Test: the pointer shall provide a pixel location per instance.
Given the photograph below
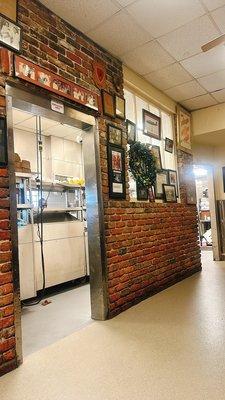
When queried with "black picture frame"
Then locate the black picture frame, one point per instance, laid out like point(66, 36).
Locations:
point(172, 189)
point(108, 109)
point(112, 130)
point(142, 192)
point(156, 151)
point(120, 107)
point(169, 145)
point(191, 198)
point(131, 131)
point(171, 173)
point(159, 192)
point(151, 119)
point(223, 172)
point(14, 25)
point(116, 172)
point(3, 143)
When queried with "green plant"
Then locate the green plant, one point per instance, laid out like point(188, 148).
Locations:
point(142, 164)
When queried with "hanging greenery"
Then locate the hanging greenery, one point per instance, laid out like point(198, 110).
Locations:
point(142, 164)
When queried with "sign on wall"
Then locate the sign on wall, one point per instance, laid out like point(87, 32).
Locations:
point(54, 83)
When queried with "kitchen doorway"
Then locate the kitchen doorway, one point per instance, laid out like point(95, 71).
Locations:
point(56, 213)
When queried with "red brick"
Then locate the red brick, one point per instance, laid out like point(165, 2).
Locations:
point(73, 57)
point(7, 344)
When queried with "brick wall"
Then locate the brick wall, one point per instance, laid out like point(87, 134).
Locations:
point(148, 246)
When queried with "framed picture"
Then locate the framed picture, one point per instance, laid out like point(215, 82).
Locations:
point(114, 135)
point(161, 179)
point(169, 145)
point(170, 193)
point(151, 124)
point(183, 129)
point(3, 142)
point(116, 171)
point(191, 195)
point(108, 104)
point(155, 150)
point(142, 192)
point(120, 107)
point(223, 172)
point(131, 131)
point(10, 34)
point(173, 179)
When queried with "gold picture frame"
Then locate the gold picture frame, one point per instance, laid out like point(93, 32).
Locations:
point(184, 130)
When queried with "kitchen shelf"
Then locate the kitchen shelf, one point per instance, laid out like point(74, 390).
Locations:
point(23, 175)
point(24, 206)
point(60, 210)
point(55, 187)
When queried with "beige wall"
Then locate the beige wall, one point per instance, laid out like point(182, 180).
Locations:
point(142, 87)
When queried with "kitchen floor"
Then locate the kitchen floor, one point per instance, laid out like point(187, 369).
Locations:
point(68, 312)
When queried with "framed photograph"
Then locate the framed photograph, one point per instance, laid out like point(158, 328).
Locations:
point(3, 142)
point(173, 179)
point(131, 131)
point(191, 195)
point(108, 104)
point(169, 145)
point(151, 124)
point(170, 193)
point(161, 179)
point(120, 107)
point(142, 192)
point(116, 171)
point(155, 150)
point(10, 34)
point(114, 135)
point(183, 129)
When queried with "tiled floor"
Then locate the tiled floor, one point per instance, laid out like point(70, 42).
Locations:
point(169, 347)
point(68, 312)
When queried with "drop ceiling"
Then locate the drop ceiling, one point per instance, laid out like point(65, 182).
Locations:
point(27, 122)
point(160, 40)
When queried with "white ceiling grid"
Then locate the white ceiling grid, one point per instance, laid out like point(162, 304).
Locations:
point(160, 40)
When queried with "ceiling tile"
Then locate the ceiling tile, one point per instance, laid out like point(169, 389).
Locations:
point(214, 81)
point(169, 76)
point(159, 16)
point(125, 3)
point(185, 91)
point(219, 17)
point(83, 14)
point(147, 58)
point(213, 4)
point(219, 95)
point(199, 102)
point(125, 34)
point(187, 40)
point(206, 63)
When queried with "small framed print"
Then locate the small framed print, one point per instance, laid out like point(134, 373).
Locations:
point(142, 192)
point(183, 129)
point(3, 142)
point(114, 135)
point(173, 179)
point(10, 34)
point(169, 145)
point(151, 124)
point(191, 195)
point(170, 193)
point(161, 179)
point(116, 171)
point(120, 107)
point(155, 150)
point(108, 104)
point(131, 131)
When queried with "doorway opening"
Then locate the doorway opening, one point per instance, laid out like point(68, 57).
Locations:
point(58, 221)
